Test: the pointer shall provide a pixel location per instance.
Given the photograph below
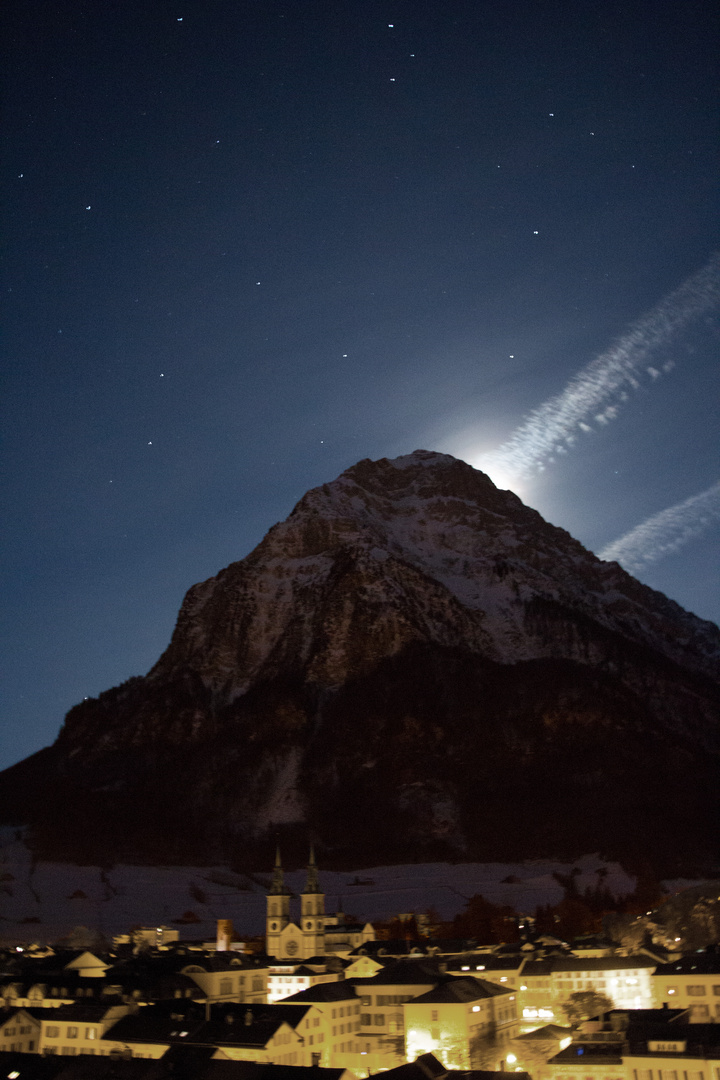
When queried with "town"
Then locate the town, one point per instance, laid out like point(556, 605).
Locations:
point(348, 999)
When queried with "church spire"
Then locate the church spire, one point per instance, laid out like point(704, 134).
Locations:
point(278, 887)
point(312, 884)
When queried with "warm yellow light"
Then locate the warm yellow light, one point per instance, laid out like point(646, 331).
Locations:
point(476, 1008)
point(523, 987)
point(511, 1059)
point(671, 991)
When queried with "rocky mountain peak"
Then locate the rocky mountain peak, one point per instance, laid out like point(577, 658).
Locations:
point(409, 637)
point(419, 548)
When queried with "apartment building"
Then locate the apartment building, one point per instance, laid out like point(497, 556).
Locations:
point(692, 983)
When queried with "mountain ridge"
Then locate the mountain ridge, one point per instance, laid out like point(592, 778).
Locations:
point(406, 636)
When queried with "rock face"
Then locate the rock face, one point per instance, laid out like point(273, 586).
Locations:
point(413, 665)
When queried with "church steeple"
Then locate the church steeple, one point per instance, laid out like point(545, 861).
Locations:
point(312, 885)
point(278, 886)
point(278, 908)
point(312, 907)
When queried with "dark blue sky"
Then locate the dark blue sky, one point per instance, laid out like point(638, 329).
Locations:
point(251, 243)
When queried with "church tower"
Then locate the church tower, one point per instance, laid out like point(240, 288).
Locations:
point(278, 909)
point(312, 912)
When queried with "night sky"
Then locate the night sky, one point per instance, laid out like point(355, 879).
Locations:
point(250, 242)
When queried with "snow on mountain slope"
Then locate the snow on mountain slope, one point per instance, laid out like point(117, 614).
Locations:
point(43, 901)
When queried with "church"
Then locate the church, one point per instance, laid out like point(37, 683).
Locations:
point(317, 934)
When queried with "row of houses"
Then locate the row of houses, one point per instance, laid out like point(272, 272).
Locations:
point(405, 1009)
point(541, 985)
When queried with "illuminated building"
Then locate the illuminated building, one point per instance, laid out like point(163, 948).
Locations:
point(692, 983)
point(317, 934)
point(459, 1019)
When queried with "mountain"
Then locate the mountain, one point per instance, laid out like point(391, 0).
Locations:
point(414, 665)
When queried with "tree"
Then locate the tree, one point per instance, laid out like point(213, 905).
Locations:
point(573, 918)
point(534, 1054)
point(489, 924)
point(631, 932)
point(583, 1004)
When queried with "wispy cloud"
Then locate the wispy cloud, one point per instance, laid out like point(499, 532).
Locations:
point(665, 532)
point(594, 396)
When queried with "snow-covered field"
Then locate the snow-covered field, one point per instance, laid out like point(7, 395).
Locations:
point(42, 901)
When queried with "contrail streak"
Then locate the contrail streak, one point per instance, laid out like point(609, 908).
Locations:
point(665, 532)
point(595, 394)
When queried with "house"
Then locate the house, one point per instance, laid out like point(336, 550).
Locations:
point(363, 967)
point(19, 1031)
point(463, 1021)
point(381, 1035)
point(221, 979)
point(78, 1028)
point(690, 1050)
point(285, 979)
point(149, 1031)
point(692, 982)
point(272, 1034)
point(339, 1006)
